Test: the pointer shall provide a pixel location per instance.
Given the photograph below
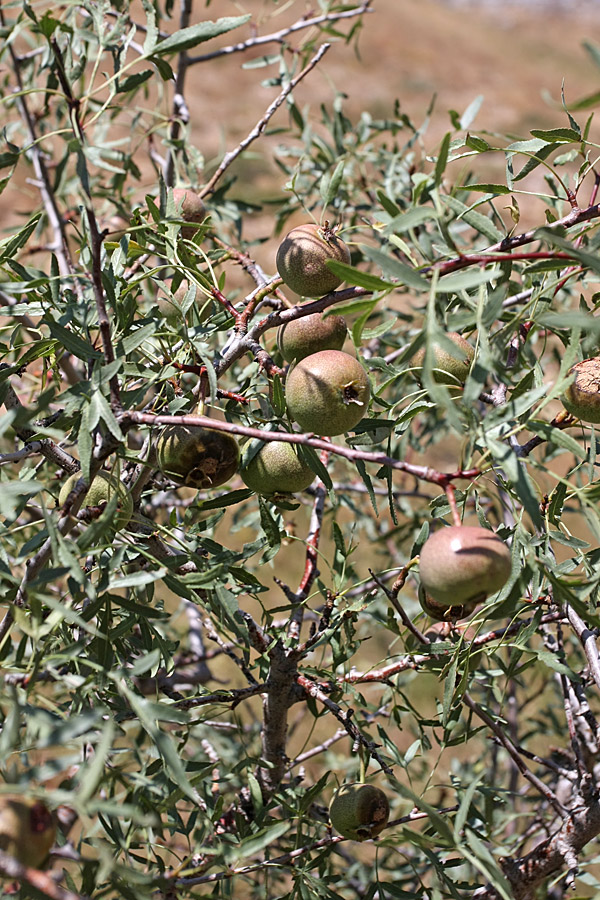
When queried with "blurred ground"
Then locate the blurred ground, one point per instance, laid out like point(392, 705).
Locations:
point(409, 50)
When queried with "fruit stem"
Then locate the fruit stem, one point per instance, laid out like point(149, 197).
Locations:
point(451, 496)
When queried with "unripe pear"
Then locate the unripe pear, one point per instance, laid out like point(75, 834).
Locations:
point(311, 334)
point(461, 565)
point(197, 457)
point(359, 811)
point(449, 368)
point(103, 487)
point(190, 208)
point(27, 829)
point(302, 257)
point(277, 469)
point(582, 397)
point(327, 393)
point(170, 307)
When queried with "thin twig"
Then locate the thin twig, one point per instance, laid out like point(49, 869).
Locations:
point(263, 122)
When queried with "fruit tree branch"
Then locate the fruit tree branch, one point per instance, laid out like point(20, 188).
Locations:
point(262, 123)
point(129, 418)
point(40, 881)
point(278, 37)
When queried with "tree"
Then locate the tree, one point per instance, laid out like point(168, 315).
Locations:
point(189, 673)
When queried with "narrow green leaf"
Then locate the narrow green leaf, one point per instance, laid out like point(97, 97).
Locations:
point(188, 38)
point(356, 277)
point(73, 343)
point(557, 134)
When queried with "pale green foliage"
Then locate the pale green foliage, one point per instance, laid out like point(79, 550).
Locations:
point(108, 700)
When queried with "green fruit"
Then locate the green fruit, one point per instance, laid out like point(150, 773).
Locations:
point(308, 335)
point(461, 565)
point(359, 811)
point(190, 208)
point(582, 397)
point(327, 393)
point(277, 469)
point(27, 829)
point(197, 457)
point(449, 368)
point(103, 487)
point(170, 307)
point(302, 257)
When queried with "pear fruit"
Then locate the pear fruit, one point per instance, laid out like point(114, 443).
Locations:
point(302, 259)
point(311, 334)
point(277, 468)
point(359, 811)
point(190, 208)
point(104, 486)
point(27, 829)
point(461, 565)
point(327, 392)
point(582, 397)
point(197, 457)
point(170, 307)
point(449, 368)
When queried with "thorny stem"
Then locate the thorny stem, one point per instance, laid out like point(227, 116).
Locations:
point(180, 114)
point(260, 126)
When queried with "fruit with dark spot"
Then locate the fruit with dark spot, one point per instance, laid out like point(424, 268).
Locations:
point(449, 368)
point(582, 397)
point(359, 811)
point(27, 829)
point(302, 259)
point(197, 457)
point(327, 393)
point(190, 208)
point(311, 334)
point(103, 487)
point(460, 566)
point(277, 468)
point(441, 612)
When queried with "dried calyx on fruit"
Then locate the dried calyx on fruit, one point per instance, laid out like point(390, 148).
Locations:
point(104, 486)
point(27, 829)
point(359, 811)
point(327, 393)
point(582, 397)
point(277, 468)
point(311, 334)
point(302, 259)
point(449, 367)
point(459, 567)
point(197, 457)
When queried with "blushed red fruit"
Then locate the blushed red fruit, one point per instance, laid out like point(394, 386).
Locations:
point(27, 829)
point(311, 334)
point(197, 457)
point(359, 811)
point(103, 487)
point(327, 393)
point(302, 257)
point(190, 208)
point(582, 397)
point(449, 368)
point(277, 468)
point(461, 565)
